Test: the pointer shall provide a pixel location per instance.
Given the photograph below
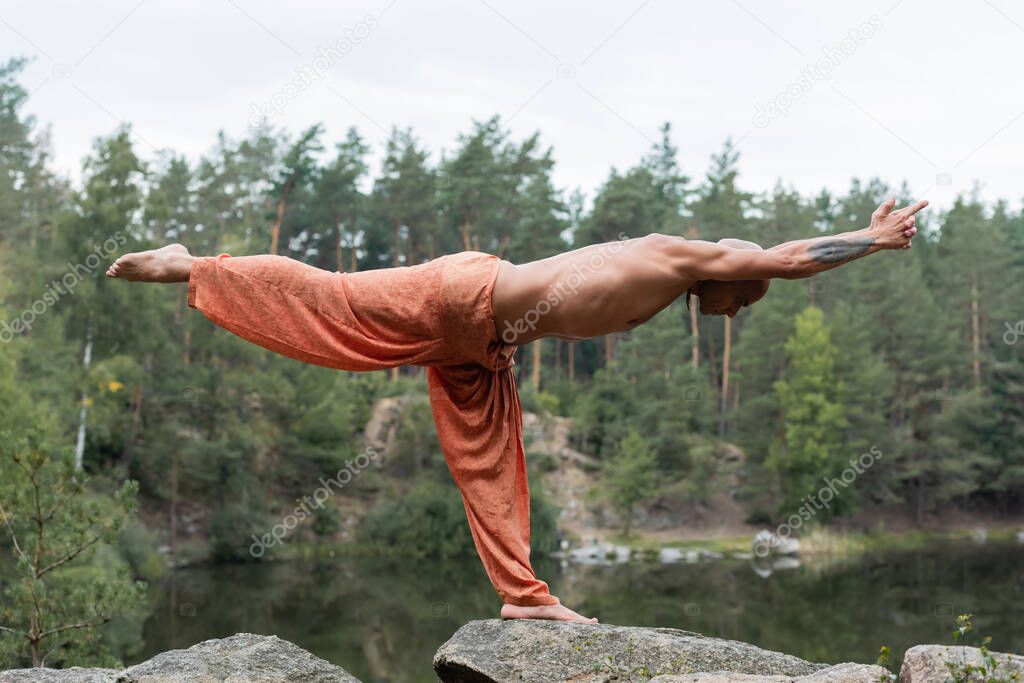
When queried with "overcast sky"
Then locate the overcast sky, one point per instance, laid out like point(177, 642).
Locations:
point(815, 93)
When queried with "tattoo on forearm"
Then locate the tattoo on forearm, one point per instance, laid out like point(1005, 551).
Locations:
point(837, 250)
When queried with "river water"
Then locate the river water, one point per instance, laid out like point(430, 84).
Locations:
point(383, 620)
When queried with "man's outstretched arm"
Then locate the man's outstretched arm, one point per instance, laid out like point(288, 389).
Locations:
point(802, 258)
point(888, 230)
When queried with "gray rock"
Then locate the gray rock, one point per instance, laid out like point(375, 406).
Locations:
point(380, 432)
point(840, 673)
point(622, 553)
point(537, 651)
point(241, 658)
point(927, 663)
point(72, 675)
point(602, 554)
point(780, 564)
point(769, 543)
point(669, 555)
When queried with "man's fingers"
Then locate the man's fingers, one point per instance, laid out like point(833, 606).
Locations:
point(884, 208)
point(914, 208)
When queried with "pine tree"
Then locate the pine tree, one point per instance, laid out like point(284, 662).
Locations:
point(814, 418)
point(403, 202)
point(54, 524)
point(339, 205)
point(298, 169)
point(630, 477)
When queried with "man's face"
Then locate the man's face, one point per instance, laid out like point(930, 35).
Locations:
point(727, 298)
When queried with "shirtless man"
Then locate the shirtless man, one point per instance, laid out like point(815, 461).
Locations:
point(463, 315)
point(650, 273)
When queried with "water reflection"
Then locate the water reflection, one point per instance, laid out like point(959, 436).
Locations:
point(383, 621)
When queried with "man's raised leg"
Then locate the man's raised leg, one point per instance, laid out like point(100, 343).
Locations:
point(297, 310)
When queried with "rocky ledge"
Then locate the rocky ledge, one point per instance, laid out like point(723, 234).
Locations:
point(542, 652)
point(532, 652)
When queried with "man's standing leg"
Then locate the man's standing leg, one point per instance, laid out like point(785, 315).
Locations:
point(479, 425)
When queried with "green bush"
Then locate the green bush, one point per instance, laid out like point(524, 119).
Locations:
point(543, 521)
point(566, 393)
point(138, 546)
point(430, 521)
point(539, 402)
point(549, 403)
point(759, 516)
point(542, 462)
point(326, 521)
point(528, 398)
point(231, 532)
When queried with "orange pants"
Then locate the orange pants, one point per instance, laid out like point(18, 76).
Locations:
point(437, 315)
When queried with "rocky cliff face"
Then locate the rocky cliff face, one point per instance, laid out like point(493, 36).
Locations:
point(568, 475)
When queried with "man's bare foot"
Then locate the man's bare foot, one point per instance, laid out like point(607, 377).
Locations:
point(558, 612)
point(172, 263)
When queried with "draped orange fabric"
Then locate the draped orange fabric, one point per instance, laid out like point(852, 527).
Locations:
point(436, 315)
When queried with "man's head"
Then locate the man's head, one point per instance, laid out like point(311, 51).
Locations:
point(719, 297)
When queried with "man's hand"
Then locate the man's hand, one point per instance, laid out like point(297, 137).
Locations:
point(894, 229)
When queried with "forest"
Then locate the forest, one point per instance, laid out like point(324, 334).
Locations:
point(911, 354)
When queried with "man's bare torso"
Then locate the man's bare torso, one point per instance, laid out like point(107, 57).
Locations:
point(588, 292)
